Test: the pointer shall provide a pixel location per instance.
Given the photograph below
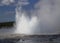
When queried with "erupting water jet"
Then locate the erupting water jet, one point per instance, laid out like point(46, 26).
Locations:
point(42, 21)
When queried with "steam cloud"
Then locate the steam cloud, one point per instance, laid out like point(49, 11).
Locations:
point(44, 19)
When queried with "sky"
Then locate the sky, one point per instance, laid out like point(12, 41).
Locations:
point(7, 9)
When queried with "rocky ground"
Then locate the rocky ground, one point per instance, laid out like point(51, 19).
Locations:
point(30, 39)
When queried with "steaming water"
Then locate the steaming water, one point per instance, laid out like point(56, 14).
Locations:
point(45, 20)
point(26, 26)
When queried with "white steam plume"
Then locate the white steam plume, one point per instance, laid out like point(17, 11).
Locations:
point(44, 19)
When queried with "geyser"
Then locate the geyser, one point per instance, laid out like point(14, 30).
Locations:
point(43, 20)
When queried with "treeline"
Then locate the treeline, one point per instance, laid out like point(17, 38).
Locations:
point(7, 24)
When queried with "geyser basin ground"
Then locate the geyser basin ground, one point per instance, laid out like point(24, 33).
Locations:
point(19, 38)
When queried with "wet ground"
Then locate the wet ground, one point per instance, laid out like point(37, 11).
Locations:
point(32, 39)
point(40, 40)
